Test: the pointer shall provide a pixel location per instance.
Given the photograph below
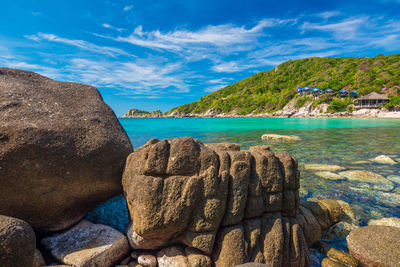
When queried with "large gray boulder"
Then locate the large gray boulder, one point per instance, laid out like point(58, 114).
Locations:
point(62, 150)
point(17, 242)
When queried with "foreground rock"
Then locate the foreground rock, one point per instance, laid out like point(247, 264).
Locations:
point(17, 242)
point(278, 137)
point(62, 150)
point(88, 244)
point(375, 245)
point(237, 206)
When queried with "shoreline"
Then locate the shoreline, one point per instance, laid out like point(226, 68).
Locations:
point(375, 115)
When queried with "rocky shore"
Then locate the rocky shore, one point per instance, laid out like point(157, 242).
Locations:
point(190, 204)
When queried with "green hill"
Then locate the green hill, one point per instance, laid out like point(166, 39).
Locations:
point(271, 90)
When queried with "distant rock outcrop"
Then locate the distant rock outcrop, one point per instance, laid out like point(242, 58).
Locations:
point(137, 113)
point(62, 150)
point(234, 206)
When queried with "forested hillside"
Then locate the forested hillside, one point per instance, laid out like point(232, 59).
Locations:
point(269, 91)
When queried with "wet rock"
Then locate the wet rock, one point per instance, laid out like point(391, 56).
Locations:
point(17, 242)
point(383, 159)
point(311, 227)
point(342, 257)
point(339, 230)
point(364, 176)
point(320, 212)
point(375, 245)
point(172, 256)
point(326, 262)
point(334, 208)
point(278, 137)
point(392, 221)
point(63, 150)
point(323, 167)
point(196, 258)
point(329, 175)
point(88, 244)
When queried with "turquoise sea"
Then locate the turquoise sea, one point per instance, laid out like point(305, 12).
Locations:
point(339, 141)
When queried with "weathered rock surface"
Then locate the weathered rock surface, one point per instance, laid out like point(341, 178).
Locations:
point(278, 137)
point(17, 242)
point(172, 256)
point(38, 260)
point(62, 150)
point(365, 176)
point(375, 245)
point(342, 257)
point(237, 206)
point(329, 175)
point(88, 244)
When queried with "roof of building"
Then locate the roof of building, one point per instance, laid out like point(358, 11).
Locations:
point(373, 95)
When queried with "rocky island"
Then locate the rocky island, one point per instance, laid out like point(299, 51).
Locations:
point(63, 151)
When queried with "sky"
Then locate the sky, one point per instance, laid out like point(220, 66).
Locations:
point(160, 54)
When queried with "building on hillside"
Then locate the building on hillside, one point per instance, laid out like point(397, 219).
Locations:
point(343, 93)
point(372, 100)
point(316, 92)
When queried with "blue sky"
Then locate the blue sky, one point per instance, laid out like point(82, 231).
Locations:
point(160, 54)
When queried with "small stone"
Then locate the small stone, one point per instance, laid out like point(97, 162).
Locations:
point(323, 167)
point(375, 245)
point(383, 159)
point(391, 221)
point(88, 244)
point(329, 175)
point(278, 137)
point(147, 260)
point(342, 257)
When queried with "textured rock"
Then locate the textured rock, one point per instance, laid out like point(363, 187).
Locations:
point(218, 200)
point(88, 244)
point(320, 212)
point(223, 146)
point(230, 247)
point(323, 167)
point(62, 150)
point(391, 221)
point(342, 257)
point(329, 175)
point(375, 245)
point(17, 242)
point(334, 209)
point(196, 258)
point(172, 256)
point(327, 262)
point(278, 137)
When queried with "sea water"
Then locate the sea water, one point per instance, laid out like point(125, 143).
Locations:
point(339, 141)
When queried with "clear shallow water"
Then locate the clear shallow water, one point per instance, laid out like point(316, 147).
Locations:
point(340, 141)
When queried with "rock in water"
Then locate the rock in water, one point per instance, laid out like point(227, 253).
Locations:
point(17, 242)
point(233, 205)
point(383, 159)
point(375, 245)
point(62, 150)
point(391, 221)
point(88, 244)
point(278, 137)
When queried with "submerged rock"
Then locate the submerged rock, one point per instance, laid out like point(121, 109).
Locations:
point(383, 159)
point(375, 245)
point(394, 178)
point(364, 176)
point(323, 167)
point(342, 257)
point(62, 150)
point(329, 175)
point(88, 244)
point(278, 137)
point(17, 242)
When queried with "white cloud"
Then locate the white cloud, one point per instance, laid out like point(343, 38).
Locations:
point(328, 14)
point(345, 30)
point(221, 36)
point(214, 88)
point(108, 26)
point(109, 51)
point(127, 8)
